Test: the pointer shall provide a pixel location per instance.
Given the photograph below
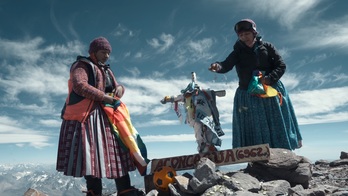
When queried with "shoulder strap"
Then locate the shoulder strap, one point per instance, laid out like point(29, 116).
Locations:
point(91, 67)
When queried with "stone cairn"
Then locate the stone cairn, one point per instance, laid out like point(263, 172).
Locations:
point(284, 174)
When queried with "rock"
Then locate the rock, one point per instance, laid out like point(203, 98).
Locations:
point(153, 192)
point(218, 190)
point(200, 186)
point(322, 162)
point(33, 192)
point(204, 177)
point(225, 180)
point(276, 187)
point(173, 190)
point(204, 169)
point(282, 159)
point(330, 176)
point(182, 183)
point(344, 155)
point(340, 193)
point(284, 174)
point(295, 191)
point(284, 165)
point(316, 192)
point(246, 193)
point(244, 181)
point(339, 162)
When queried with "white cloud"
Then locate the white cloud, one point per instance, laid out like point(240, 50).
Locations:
point(163, 43)
point(313, 59)
point(311, 30)
point(32, 50)
point(323, 34)
point(169, 138)
point(286, 12)
point(50, 122)
point(33, 83)
point(134, 71)
point(311, 106)
point(308, 104)
point(200, 49)
point(201, 46)
point(177, 138)
point(22, 50)
point(291, 80)
point(138, 55)
point(45, 79)
point(340, 78)
point(321, 106)
point(284, 52)
point(33, 139)
point(332, 117)
point(159, 122)
point(11, 131)
point(123, 32)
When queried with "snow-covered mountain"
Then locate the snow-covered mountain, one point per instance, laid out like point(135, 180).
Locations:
point(17, 179)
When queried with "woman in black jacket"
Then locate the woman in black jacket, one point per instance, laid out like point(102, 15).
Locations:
point(258, 119)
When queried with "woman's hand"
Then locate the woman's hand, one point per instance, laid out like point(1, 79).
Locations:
point(119, 91)
point(108, 99)
point(266, 80)
point(214, 67)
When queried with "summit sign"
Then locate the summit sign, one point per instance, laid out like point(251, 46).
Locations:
point(223, 157)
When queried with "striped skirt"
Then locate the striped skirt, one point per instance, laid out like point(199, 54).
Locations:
point(90, 148)
point(263, 120)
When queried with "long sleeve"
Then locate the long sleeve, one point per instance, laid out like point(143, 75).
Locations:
point(278, 64)
point(228, 64)
point(81, 86)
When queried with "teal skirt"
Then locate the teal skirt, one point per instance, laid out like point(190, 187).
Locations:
point(264, 120)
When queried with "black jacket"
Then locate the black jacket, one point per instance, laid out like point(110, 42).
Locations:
point(263, 57)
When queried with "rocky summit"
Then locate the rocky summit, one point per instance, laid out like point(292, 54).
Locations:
point(285, 173)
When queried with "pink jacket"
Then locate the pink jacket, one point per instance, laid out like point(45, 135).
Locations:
point(85, 89)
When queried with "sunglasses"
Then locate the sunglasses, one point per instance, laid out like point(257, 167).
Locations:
point(243, 26)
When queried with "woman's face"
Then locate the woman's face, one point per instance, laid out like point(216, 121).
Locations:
point(247, 37)
point(102, 56)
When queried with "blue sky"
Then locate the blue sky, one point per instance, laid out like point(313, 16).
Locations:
point(156, 45)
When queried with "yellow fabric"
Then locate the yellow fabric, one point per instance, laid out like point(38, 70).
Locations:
point(120, 120)
point(270, 91)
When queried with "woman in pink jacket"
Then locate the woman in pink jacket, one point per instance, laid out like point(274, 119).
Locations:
point(87, 147)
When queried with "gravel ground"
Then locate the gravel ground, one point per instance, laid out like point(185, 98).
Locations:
point(327, 174)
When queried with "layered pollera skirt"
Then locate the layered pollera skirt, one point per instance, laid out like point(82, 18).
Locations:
point(259, 120)
point(90, 148)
